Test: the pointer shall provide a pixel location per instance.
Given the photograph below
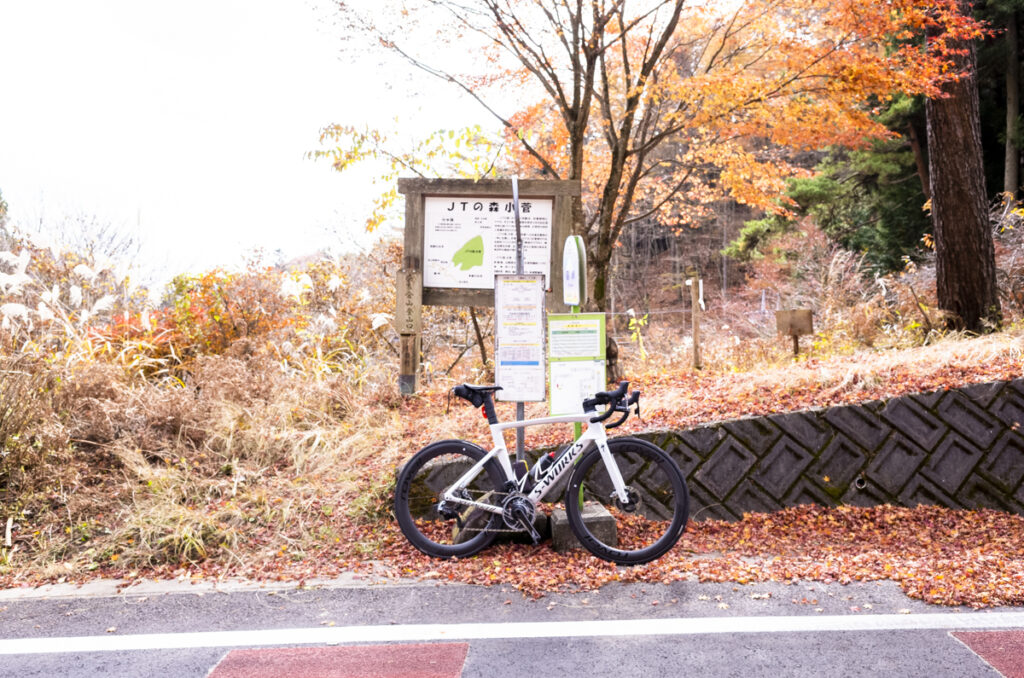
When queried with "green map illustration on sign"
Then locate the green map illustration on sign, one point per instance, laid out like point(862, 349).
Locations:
point(470, 255)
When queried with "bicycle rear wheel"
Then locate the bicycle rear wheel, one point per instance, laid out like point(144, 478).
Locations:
point(649, 523)
point(433, 527)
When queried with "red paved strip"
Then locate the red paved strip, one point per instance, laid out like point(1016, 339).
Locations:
point(426, 660)
point(1003, 650)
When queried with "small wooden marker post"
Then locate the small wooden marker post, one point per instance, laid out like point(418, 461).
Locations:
point(696, 306)
point(795, 323)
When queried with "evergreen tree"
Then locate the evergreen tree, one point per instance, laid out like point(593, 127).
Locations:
point(869, 200)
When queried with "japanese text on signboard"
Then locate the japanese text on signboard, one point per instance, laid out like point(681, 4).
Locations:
point(467, 240)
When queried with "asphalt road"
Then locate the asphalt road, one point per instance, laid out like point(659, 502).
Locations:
point(803, 629)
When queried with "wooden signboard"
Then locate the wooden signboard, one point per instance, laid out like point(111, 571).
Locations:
point(795, 323)
point(459, 233)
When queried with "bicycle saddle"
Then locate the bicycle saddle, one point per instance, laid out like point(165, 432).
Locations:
point(474, 394)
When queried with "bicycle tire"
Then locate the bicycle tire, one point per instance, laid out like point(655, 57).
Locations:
point(646, 527)
point(418, 492)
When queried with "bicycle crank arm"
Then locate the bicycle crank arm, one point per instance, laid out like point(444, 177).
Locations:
point(526, 520)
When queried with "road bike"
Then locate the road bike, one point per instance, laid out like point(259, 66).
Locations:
point(453, 498)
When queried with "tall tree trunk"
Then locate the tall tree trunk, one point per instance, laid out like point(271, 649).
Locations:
point(1011, 168)
point(600, 263)
point(920, 160)
point(964, 253)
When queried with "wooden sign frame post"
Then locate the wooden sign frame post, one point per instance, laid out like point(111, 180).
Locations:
point(416, 289)
point(795, 323)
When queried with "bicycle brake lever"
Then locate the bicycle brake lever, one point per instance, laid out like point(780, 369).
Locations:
point(621, 420)
point(634, 399)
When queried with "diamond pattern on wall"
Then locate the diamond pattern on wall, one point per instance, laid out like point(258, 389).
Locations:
point(915, 422)
point(950, 465)
point(969, 420)
point(979, 493)
point(928, 400)
point(1009, 408)
point(867, 495)
point(703, 506)
point(779, 469)
point(685, 458)
point(755, 433)
point(726, 468)
point(748, 498)
point(860, 424)
point(806, 428)
point(1016, 385)
point(983, 394)
point(807, 492)
point(703, 439)
point(840, 462)
point(897, 461)
point(920, 491)
point(959, 448)
point(1004, 465)
point(666, 440)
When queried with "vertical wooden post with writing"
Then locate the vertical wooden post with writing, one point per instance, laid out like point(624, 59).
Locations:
point(409, 322)
point(409, 298)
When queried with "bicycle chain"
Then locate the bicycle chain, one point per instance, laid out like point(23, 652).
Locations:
point(493, 493)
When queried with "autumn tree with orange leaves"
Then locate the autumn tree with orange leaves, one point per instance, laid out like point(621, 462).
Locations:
point(660, 107)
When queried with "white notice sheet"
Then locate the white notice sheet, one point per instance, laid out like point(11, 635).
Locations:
point(519, 335)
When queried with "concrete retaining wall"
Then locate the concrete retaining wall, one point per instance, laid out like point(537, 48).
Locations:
point(960, 448)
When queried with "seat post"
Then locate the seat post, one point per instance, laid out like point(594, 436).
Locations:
point(489, 409)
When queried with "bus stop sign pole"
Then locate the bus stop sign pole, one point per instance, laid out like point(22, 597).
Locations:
point(520, 407)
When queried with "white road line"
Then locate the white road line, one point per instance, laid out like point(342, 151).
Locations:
point(484, 631)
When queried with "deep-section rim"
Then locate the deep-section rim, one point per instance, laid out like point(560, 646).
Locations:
point(401, 504)
point(613, 554)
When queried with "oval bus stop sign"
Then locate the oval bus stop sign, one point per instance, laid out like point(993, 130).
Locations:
point(574, 271)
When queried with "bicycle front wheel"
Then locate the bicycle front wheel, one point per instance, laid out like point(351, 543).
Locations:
point(645, 526)
point(435, 527)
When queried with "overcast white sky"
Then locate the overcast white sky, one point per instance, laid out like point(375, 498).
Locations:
point(189, 121)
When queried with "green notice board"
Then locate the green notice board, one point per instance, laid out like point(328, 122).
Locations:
point(576, 359)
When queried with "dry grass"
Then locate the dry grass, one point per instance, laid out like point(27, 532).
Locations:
point(165, 474)
point(867, 367)
point(253, 462)
point(278, 455)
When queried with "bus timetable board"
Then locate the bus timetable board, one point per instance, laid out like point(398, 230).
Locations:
point(576, 359)
point(519, 337)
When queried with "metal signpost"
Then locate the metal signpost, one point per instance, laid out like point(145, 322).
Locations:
point(696, 285)
point(520, 406)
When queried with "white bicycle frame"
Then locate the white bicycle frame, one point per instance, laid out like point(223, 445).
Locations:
point(594, 434)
